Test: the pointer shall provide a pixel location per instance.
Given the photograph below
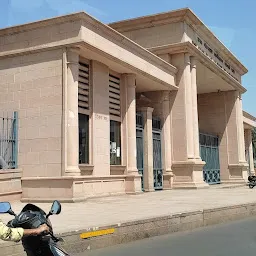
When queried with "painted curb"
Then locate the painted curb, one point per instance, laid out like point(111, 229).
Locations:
point(140, 229)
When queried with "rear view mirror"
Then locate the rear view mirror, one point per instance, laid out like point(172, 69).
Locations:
point(5, 207)
point(56, 208)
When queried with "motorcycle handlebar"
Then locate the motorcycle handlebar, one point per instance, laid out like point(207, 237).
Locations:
point(55, 239)
point(10, 224)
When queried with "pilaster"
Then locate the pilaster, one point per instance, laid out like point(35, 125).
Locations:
point(133, 180)
point(148, 174)
point(166, 140)
point(72, 156)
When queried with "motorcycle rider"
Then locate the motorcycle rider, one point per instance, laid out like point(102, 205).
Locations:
point(16, 234)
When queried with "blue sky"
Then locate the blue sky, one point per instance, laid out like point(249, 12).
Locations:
point(233, 21)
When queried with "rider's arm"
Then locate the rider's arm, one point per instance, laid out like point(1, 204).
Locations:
point(10, 234)
point(16, 234)
point(37, 231)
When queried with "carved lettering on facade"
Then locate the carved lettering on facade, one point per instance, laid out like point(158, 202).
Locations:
point(101, 117)
point(205, 48)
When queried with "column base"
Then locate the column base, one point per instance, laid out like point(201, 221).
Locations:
point(71, 189)
point(238, 173)
point(253, 173)
point(188, 175)
point(73, 171)
point(148, 185)
point(168, 180)
point(133, 184)
point(149, 190)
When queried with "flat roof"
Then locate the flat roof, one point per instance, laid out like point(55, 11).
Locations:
point(249, 116)
point(104, 31)
point(83, 16)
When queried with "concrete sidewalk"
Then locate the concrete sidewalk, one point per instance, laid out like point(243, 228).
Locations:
point(139, 216)
point(119, 209)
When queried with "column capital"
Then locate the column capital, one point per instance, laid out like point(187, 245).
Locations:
point(187, 58)
point(146, 109)
point(193, 61)
point(194, 107)
point(71, 115)
point(166, 95)
point(130, 79)
point(73, 55)
point(74, 49)
point(165, 56)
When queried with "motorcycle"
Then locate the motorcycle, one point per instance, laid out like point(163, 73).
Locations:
point(32, 217)
point(252, 181)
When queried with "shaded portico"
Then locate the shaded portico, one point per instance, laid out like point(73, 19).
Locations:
point(99, 72)
point(212, 105)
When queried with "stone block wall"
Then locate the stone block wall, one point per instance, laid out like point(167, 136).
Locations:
point(10, 185)
point(22, 39)
point(157, 35)
point(32, 85)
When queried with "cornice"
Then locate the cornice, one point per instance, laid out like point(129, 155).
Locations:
point(188, 47)
point(119, 38)
point(39, 24)
point(98, 28)
point(181, 15)
point(149, 20)
point(192, 20)
point(131, 67)
point(249, 116)
point(73, 42)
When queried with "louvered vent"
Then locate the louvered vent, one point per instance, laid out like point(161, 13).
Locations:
point(114, 96)
point(83, 86)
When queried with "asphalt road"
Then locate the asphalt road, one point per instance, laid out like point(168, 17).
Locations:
point(232, 239)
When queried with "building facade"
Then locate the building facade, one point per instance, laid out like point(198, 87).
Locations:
point(139, 105)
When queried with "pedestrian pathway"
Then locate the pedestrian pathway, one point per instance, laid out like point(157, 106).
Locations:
point(119, 209)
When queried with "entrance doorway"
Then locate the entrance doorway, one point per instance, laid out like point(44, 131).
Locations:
point(209, 151)
point(157, 154)
point(139, 144)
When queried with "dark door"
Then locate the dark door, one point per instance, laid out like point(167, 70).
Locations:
point(157, 154)
point(139, 143)
point(209, 151)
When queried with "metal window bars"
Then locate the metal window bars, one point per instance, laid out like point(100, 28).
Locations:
point(8, 140)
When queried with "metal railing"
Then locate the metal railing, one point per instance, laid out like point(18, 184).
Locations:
point(8, 140)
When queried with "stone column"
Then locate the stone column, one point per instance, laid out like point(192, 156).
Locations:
point(100, 119)
point(251, 153)
point(133, 180)
point(237, 165)
point(148, 173)
point(72, 113)
point(187, 170)
point(195, 108)
point(130, 80)
point(189, 108)
point(250, 150)
point(241, 145)
point(166, 138)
